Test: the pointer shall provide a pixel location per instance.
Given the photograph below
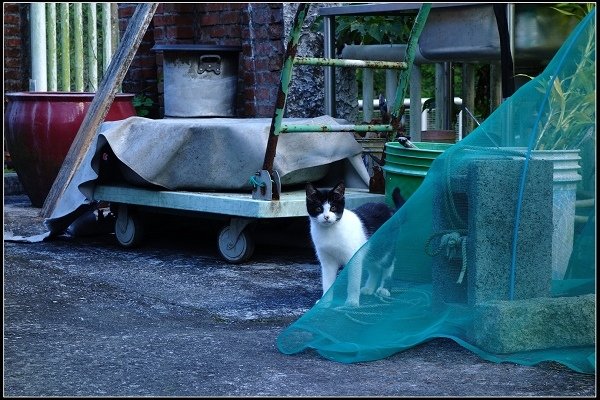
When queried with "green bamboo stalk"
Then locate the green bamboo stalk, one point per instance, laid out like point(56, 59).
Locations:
point(92, 48)
point(114, 26)
point(51, 43)
point(65, 48)
point(292, 128)
point(78, 46)
point(106, 35)
point(115, 34)
point(284, 83)
point(337, 62)
point(286, 71)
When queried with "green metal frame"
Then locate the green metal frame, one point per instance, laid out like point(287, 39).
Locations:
point(286, 74)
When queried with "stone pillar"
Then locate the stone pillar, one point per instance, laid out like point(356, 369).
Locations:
point(306, 94)
point(483, 194)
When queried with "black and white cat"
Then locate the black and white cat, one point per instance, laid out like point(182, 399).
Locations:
point(337, 233)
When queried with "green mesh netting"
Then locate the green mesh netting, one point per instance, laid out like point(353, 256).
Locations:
point(496, 249)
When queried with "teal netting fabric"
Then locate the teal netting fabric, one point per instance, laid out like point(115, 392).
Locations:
point(496, 249)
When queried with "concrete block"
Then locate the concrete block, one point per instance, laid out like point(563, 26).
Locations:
point(12, 184)
point(492, 196)
point(479, 201)
point(501, 326)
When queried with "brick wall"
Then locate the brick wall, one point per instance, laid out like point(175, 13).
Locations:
point(141, 78)
point(16, 45)
point(256, 28)
point(16, 41)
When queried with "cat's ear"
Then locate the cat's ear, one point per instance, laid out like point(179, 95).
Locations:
point(339, 189)
point(310, 190)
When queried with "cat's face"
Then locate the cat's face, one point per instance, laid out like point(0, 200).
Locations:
point(325, 207)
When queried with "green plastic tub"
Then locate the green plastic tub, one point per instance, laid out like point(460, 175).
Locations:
point(406, 168)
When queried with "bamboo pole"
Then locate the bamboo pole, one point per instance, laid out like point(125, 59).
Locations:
point(51, 38)
point(39, 81)
point(100, 104)
point(65, 48)
point(78, 46)
point(92, 48)
point(284, 83)
point(114, 24)
point(106, 35)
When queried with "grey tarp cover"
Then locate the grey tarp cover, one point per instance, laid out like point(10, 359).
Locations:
point(204, 154)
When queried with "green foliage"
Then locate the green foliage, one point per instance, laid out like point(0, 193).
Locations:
point(372, 29)
point(571, 113)
point(369, 29)
point(90, 52)
point(577, 10)
point(142, 104)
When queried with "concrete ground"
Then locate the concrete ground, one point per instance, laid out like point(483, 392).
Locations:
point(86, 317)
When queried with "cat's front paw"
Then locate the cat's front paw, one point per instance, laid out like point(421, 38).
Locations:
point(366, 290)
point(351, 303)
point(383, 292)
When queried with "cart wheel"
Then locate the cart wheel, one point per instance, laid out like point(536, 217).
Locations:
point(235, 252)
point(129, 228)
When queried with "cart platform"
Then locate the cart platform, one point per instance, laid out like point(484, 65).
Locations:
point(236, 245)
point(291, 204)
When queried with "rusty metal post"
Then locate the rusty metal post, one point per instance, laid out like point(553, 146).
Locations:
point(411, 48)
point(286, 76)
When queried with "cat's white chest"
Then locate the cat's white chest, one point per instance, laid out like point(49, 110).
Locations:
point(340, 240)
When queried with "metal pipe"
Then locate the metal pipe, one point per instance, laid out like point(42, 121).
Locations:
point(511, 28)
point(337, 62)
point(411, 50)
point(381, 52)
point(290, 128)
point(415, 104)
point(329, 72)
point(391, 85)
point(367, 92)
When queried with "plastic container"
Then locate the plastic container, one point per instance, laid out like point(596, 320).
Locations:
point(406, 168)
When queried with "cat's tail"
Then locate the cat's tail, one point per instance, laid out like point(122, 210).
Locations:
point(397, 198)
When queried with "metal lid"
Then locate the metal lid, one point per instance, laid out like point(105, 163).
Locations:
point(196, 47)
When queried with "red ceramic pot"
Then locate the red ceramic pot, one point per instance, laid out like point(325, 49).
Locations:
point(39, 130)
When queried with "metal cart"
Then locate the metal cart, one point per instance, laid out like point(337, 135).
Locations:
point(235, 242)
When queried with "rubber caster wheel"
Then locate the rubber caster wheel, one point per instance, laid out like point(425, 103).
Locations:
point(235, 251)
point(129, 228)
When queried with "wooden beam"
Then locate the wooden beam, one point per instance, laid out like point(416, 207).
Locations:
point(101, 103)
